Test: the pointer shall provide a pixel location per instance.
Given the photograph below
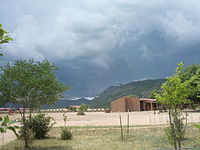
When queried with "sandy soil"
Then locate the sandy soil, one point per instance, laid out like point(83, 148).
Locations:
point(112, 119)
point(107, 119)
point(6, 137)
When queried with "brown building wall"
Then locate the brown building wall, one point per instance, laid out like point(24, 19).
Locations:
point(125, 104)
point(118, 105)
point(132, 104)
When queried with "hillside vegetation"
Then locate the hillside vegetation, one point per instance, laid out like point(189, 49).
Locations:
point(59, 104)
point(137, 88)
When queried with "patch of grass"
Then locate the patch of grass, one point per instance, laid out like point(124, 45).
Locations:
point(106, 139)
point(66, 134)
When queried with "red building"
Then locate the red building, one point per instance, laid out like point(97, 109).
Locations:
point(126, 104)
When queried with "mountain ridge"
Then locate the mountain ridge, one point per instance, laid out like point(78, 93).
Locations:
point(142, 88)
point(59, 104)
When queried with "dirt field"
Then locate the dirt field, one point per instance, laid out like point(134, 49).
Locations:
point(112, 119)
point(108, 119)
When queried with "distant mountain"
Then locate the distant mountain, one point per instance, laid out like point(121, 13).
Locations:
point(60, 104)
point(137, 88)
point(64, 103)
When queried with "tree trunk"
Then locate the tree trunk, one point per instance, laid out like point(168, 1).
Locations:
point(25, 129)
point(172, 129)
point(30, 114)
point(178, 127)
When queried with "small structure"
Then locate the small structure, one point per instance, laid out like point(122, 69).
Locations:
point(126, 104)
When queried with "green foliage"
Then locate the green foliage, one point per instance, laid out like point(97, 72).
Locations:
point(169, 133)
point(132, 96)
point(6, 124)
point(187, 73)
point(181, 87)
point(137, 88)
point(66, 134)
point(174, 92)
point(39, 125)
point(174, 95)
point(154, 93)
point(4, 37)
point(191, 74)
point(196, 126)
point(31, 84)
point(84, 107)
point(80, 112)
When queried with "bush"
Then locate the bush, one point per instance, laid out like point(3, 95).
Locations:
point(40, 125)
point(84, 107)
point(81, 113)
point(66, 134)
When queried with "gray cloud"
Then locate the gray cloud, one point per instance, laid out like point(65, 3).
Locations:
point(65, 33)
point(67, 30)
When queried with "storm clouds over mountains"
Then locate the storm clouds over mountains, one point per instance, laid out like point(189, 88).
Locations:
point(98, 43)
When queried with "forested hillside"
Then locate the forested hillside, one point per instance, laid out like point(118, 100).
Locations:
point(137, 88)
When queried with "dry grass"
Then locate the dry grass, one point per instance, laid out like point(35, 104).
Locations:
point(106, 139)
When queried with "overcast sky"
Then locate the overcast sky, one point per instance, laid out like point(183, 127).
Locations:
point(99, 43)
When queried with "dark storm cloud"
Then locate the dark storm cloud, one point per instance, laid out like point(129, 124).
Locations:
point(104, 42)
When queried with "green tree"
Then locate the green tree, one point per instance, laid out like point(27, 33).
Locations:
point(174, 95)
point(154, 93)
point(192, 74)
point(84, 107)
point(30, 84)
point(4, 37)
point(132, 96)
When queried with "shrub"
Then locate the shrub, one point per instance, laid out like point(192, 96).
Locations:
point(81, 113)
point(66, 134)
point(39, 124)
point(84, 107)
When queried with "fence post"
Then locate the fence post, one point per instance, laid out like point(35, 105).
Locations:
point(128, 123)
point(121, 126)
